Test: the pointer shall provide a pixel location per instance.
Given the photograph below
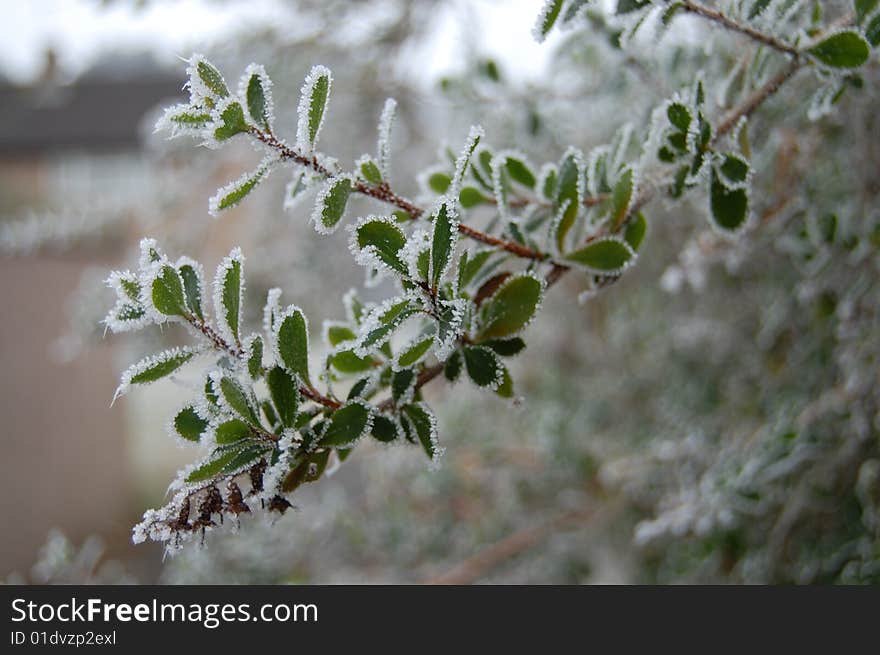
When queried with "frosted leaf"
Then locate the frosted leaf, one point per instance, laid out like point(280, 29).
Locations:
point(450, 327)
point(443, 239)
point(234, 192)
point(314, 94)
point(256, 89)
point(604, 256)
point(205, 81)
point(354, 308)
point(415, 253)
point(150, 253)
point(128, 313)
point(184, 119)
point(274, 475)
point(228, 295)
point(383, 146)
point(330, 204)
point(193, 276)
point(162, 292)
point(546, 19)
point(461, 164)
point(424, 423)
point(271, 310)
point(546, 184)
point(154, 367)
point(381, 322)
point(512, 307)
point(368, 170)
point(376, 242)
point(290, 341)
point(413, 353)
point(348, 425)
point(227, 121)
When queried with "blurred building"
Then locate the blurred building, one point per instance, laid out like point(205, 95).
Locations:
point(61, 445)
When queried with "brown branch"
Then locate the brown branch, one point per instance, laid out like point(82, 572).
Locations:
point(728, 23)
point(235, 351)
point(383, 193)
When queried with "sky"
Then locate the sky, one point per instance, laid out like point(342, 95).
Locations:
point(79, 30)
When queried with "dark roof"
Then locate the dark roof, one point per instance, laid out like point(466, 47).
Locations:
point(94, 113)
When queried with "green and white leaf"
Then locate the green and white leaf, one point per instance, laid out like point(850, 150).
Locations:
point(229, 294)
point(330, 204)
point(153, 368)
point(604, 256)
point(376, 242)
point(291, 341)
point(314, 95)
point(233, 193)
point(349, 424)
point(512, 307)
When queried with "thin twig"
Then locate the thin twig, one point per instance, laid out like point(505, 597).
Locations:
point(728, 23)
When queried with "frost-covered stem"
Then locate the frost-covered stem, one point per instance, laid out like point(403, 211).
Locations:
point(384, 193)
point(219, 342)
point(235, 351)
point(728, 23)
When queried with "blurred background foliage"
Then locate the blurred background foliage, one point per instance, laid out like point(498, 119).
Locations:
point(713, 417)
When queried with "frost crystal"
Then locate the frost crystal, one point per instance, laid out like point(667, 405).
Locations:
point(461, 164)
point(234, 192)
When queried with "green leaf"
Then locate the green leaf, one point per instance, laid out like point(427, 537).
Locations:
point(439, 182)
point(347, 424)
point(402, 384)
point(284, 392)
point(211, 78)
point(237, 399)
point(414, 353)
point(424, 424)
point(213, 466)
point(192, 288)
point(232, 122)
point(346, 361)
point(470, 196)
point(292, 340)
point(336, 334)
point(229, 279)
point(384, 429)
point(609, 255)
point(369, 170)
point(452, 368)
point(389, 320)
point(505, 388)
point(872, 30)
point(330, 204)
point(237, 190)
point(313, 104)
point(257, 102)
point(845, 49)
point(679, 115)
point(470, 264)
point(255, 360)
point(505, 347)
point(231, 431)
point(627, 6)
point(511, 307)
point(483, 366)
point(863, 8)
point(729, 207)
point(547, 19)
point(519, 171)
point(635, 231)
point(734, 168)
point(622, 196)
point(443, 241)
point(184, 116)
point(167, 292)
point(567, 188)
point(189, 424)
point(383, 240)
